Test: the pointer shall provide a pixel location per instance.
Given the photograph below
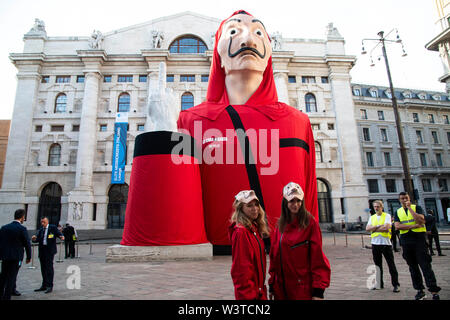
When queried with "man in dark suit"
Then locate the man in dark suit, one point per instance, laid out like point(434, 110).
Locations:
point(13, 239)
point(46, 237)
point(69, 240)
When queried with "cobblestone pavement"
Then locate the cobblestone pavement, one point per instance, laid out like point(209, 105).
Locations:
point(210, 280)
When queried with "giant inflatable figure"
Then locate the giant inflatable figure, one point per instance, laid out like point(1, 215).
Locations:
point(183, 183)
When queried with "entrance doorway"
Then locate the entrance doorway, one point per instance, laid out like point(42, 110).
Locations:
point(117, 205)
point(50, 204)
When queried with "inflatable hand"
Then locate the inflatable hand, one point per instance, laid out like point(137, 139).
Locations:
point(163, 107)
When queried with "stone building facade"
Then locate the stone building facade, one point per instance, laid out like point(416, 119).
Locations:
point(70, 89)
point(425, 119)
point(4, 134)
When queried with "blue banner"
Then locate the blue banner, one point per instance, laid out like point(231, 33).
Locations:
point(119, 148)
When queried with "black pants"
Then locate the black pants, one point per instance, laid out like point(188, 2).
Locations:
point(378, 251)
point(10, 268)
point(47, 271)
point(416, 255)
point(395, 235)
point(434, 236)
point(70, 248)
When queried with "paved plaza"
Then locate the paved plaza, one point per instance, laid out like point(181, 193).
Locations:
point(351, 266)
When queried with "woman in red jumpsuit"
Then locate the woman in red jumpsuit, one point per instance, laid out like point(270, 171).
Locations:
point(248, 226)
point(299, 270)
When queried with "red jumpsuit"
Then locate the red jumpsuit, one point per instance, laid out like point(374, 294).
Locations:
point(267, 123)
point(298, 266)
point(248, 269)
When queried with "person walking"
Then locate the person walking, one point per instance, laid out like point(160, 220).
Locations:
point(46, 237)
point(248, 227)
point(69, 241)
point(394, 235)
point(410, 221)
point(379, 225)
point(432, 233)
point(299, 270)
point(13, 240)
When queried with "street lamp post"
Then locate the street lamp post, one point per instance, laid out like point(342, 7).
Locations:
point(403, 153)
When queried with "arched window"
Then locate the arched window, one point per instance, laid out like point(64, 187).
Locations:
point(54, 155)
point(318, 148)
point(124, 102)
point(188, 44)
point(50, 204)
point(310, 101)
point(117, 205)
point(187, 101)
point(324, 201)
point(60, 103)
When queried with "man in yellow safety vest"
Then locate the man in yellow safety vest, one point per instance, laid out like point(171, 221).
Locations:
point(410, 221)
point(379, 225)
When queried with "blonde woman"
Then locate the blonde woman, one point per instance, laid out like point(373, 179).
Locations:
point(248, 227)
point(379, 225)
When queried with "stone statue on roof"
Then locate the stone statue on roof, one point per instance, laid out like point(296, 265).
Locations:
point(95, 42)
point(157, 39)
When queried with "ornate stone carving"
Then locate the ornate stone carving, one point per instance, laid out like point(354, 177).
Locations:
point(77, 211)
point(95, 42)
point(276, 41)
point(157, 39)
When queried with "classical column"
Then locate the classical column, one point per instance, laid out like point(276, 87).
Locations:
point(12, 194)
point(354, 188)
point(281, 85)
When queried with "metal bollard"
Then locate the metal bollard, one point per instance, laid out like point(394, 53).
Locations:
point(334, 237)
point(32, 258)
point(78, 251)
point(60, 250)
point(90, 247)
point(346, 240)
point(362, 241)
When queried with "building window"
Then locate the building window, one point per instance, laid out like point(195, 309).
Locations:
point(384, 136)
point(387, 159)
point(188, 45)
point(388, 94)
point(443, 187)
point(170, 78)
point(366, 134)
point(430, 118)
point(125, 78)
point(445, 119)
point(315, 126)
point(380, 115)
point(374, 93)
point(75, 127)
point(324, 201)
point(331, 126)
point(369, 158)
point(187, 101)
point(57, 128)
point(54, 155)
point(426, 184)
point(124, 102)
point(292, 79)
point(423, 160)
point(107, 79)
point(310, 102)
point(38, 128)
point(448, 137)
point(62, 79)
point(435, 137)
point(142, 78)
point(103, 128)
point(205, 77)
point(419, 136)
point(45, 79)
point(60, 103)
point(373, 185)
point(363, 113)
point(324, 79)
point(415, 117)
point(308, 79)
point(439, 160)
point(140, 127)
point(390, 185)
point(187, 78)
point(318, 148)
point(80, 79)
point(356, 92)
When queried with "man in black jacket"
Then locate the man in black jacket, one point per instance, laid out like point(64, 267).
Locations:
point(13, 239)
point(46, 237)
point(69, 240)
point(432, 232)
